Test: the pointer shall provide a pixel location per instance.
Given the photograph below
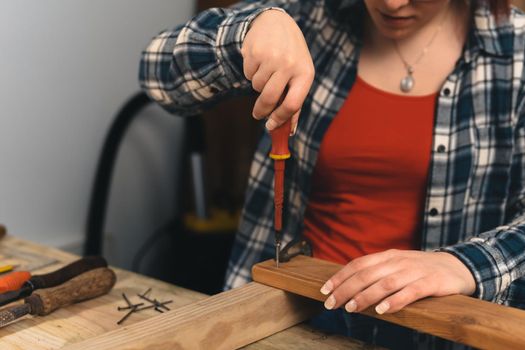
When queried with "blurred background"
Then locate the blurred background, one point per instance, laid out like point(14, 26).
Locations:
point(67, 69)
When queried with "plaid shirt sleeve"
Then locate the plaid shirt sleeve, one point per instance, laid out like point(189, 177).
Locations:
point(193, 66)
point(496, 258)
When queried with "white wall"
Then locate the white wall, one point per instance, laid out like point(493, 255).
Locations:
point(65, 69)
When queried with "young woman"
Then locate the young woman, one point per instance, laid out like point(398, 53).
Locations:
point(408, 150)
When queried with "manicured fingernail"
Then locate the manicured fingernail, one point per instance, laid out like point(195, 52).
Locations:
point(330, 302)
point(271, 124)
point(294, 130)
point(382, 307)
point(351, 306)
point(327, 288)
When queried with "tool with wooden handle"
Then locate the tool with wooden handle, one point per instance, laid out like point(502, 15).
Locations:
point(52, 279)
point(87, 285)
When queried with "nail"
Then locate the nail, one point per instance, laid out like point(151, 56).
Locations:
point(351, 306)
point(330, 302)
point(327, 288)
point(382, 307)
point(270, 124)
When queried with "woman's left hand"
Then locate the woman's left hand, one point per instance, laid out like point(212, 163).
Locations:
point(395, 278)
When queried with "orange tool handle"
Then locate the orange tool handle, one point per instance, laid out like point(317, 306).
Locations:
point(14, 281)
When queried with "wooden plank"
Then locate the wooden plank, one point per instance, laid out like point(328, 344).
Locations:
point(303, 275)
point(458, 318)
point(227, 320)
point(305, 337)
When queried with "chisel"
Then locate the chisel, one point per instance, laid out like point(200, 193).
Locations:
point(87, 285)
point(53, 279)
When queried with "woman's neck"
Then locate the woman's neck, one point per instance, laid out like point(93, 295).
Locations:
point(383, 65)
point(452, 20)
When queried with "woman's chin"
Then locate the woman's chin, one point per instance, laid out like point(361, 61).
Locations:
point(397, 33)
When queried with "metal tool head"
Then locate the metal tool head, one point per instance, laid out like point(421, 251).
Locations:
point(294, 248)
point(278, 241)
point(10, 314)
point(277, 253)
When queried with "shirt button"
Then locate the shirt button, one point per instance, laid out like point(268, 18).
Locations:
point(446, 91)
point(441, 148)
point(433, 212)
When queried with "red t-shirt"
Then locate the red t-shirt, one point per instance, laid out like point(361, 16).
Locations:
point(369, 183)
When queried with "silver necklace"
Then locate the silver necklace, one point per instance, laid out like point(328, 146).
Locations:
point(408, 82)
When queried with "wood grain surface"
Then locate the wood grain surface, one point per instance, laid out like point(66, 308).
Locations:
point(228, 320)
point(96, 317)
point(304, 337)
point(459, 318)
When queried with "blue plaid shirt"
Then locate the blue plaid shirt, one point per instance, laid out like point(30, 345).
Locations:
point(475, 202)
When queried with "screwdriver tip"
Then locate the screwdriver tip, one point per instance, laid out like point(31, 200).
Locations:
point(277, 251)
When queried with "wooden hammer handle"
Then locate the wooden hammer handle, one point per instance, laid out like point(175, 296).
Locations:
point(85, 286)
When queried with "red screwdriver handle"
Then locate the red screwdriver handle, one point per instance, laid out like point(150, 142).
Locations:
point(279, 137)
point(279, 153)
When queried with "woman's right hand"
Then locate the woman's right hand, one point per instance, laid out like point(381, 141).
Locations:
point(277, 60)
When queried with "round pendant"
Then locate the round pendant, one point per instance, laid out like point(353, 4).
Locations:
point(407, 83)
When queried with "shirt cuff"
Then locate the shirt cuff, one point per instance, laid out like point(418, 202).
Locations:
point(230, 36)
point(487, 265)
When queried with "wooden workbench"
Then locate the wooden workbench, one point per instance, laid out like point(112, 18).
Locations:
point(98, 316)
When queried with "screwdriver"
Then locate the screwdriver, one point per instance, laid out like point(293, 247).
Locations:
point(52, 279)
point(85, 286)
point(279, 153)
